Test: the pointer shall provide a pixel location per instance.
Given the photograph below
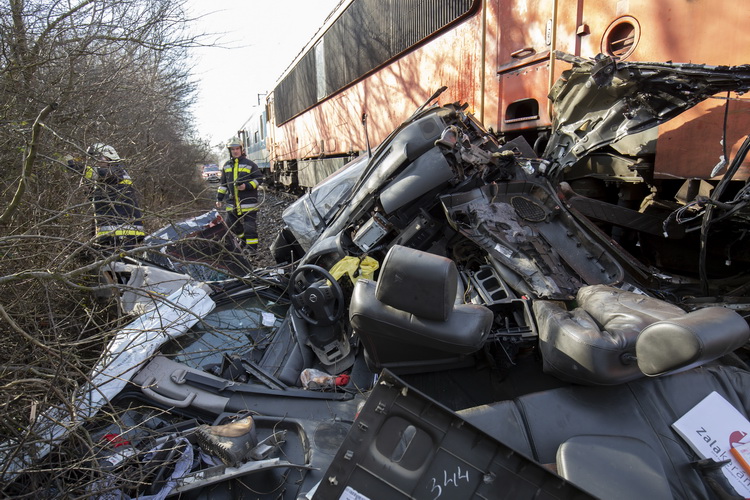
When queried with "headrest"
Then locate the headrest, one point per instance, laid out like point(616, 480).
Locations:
point(421, 283)
point(690, 340)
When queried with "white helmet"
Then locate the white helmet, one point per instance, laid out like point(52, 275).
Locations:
point(234, 142)
point(99, 149)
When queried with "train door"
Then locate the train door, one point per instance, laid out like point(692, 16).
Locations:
point(698, 31)
point(528, 30)
point(524, 39)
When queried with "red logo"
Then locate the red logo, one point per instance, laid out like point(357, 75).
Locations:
point(737, 437)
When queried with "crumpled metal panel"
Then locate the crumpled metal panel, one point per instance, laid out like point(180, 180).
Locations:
point(523, 227)
point(599, 101)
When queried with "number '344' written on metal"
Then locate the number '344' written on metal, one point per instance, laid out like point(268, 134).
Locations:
point(449, 479)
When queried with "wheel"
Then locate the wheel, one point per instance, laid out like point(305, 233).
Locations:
point(316, 295)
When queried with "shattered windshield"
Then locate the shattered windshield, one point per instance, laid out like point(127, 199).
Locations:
point(235, 328)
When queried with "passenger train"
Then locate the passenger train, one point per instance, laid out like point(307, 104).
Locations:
point(375, 61)
point(253, 134)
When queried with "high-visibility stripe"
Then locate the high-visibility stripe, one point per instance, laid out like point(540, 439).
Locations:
point(234, 178)
point(243, 208)
point(239, 169)
point(113, 227)
point(121, 232)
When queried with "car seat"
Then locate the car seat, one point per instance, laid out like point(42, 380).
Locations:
point(617, 442)
point(409, 321)
point(615, 336)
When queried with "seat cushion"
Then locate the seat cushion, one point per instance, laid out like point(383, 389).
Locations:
point(643, 409)
point(613, 467)
point(574, 349)
point(464, 332)
point(617, 310)
point(594, 344)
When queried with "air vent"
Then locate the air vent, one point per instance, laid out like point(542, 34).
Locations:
point(621, 37)
point(522, 110)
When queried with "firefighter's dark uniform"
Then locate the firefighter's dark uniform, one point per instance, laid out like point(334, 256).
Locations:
point(117, 217)
point(241, 205)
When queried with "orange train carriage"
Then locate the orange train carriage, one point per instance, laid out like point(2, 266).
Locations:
point(379, 60)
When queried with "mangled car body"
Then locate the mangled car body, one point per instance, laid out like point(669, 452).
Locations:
point(450, 273)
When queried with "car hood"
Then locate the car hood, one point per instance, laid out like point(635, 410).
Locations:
point(599, 101)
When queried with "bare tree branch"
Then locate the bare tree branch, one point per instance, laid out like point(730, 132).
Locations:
point(28, 164)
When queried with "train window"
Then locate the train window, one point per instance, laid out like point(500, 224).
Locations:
point(367, 35)
point(621, 37)
point(521, 110)
point(320, 69)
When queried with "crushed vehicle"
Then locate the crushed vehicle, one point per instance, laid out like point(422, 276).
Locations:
point(451, 319)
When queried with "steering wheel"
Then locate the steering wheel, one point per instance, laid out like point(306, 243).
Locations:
point(313, 298)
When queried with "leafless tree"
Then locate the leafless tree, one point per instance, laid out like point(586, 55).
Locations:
point(74, 72)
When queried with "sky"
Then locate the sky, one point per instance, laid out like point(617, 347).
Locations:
point(257, 42)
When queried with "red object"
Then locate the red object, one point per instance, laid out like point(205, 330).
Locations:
point(342, 379)
point(116, 440)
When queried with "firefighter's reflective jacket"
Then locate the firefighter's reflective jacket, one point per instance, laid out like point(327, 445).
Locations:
point(239, 171)
point(116, 211)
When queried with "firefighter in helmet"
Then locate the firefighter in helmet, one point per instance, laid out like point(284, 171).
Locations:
point(117, 217)
point(238, 189)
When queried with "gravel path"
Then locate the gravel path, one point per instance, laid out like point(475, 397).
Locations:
point(270, 223)
point(272, 205)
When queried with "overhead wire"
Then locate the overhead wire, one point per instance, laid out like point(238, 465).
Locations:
point(718, 191)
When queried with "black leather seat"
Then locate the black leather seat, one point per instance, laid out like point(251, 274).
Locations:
point(409, 320)
point(615, 336)
point(631, 421)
